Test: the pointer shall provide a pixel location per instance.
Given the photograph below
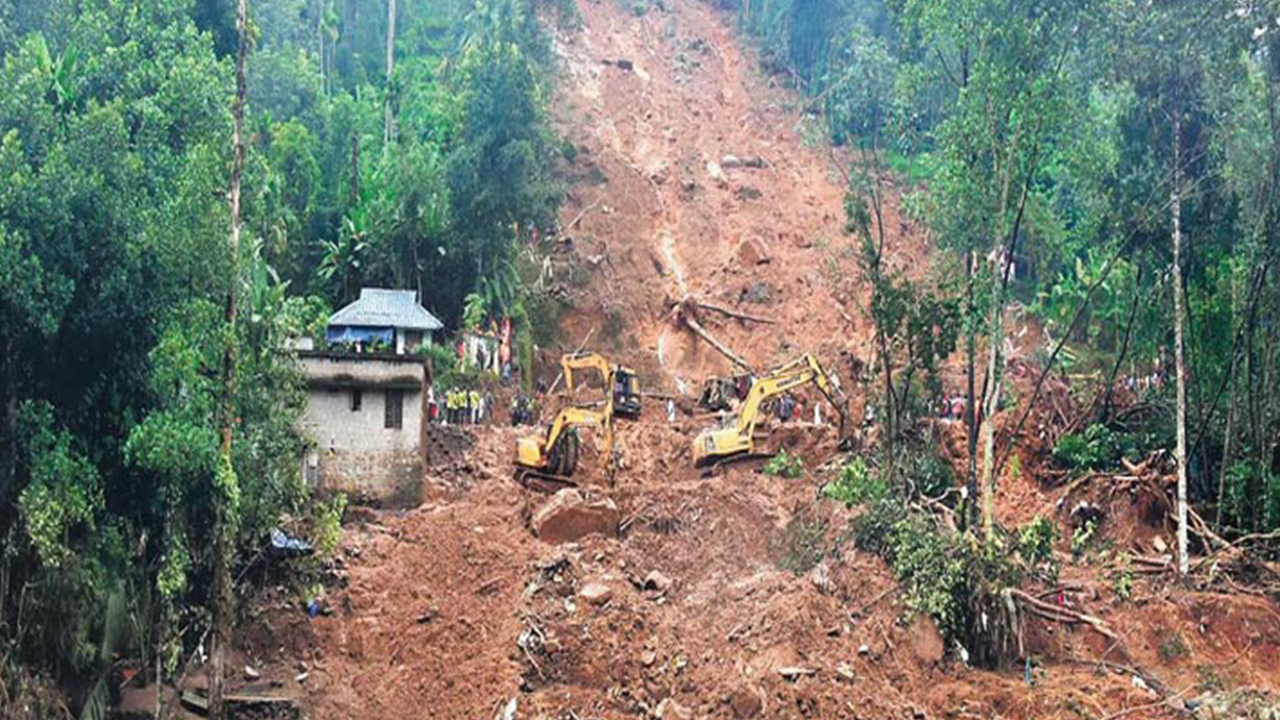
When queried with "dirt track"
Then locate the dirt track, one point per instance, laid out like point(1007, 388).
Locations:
point(453, 609)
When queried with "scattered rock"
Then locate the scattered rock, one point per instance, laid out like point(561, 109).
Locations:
point(655, 584)
point(760, 293)
point(648, 658)
point(568, 516)
point(669, 709)
point(863, 649)
point(1160, 545)
point(745, 703)
point(795, 673)
point(250, 674)
point(596, 593)
point(432, 613)
point(752, 252)
point(714, 171)
point(1084, 513)
point(845, 671)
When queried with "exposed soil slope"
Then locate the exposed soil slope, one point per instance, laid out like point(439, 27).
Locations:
point(452, 610)
point(693, 177)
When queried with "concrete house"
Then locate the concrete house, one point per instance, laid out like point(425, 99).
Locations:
point(366, 399)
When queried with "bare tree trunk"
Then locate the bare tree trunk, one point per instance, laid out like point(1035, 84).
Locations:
point(8, 423)
point(225, 475)
point(990, 403)
point(1179, 360)
point(320, 28)
point(389, 134)
point(1105, 412)
point(971, 414)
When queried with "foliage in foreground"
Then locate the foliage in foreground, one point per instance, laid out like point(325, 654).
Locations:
point(784, 465)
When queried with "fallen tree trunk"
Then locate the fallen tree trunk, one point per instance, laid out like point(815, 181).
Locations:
point(731, 313)
point(1052, 612)
point(689, 317)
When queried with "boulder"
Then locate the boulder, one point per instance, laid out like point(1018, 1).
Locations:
point(926, 641)
point(731, 161)
point(568, 516)
point(752, 252)
point(745, 703)
point(669, 709)
point(656, 582)
point(596, 593)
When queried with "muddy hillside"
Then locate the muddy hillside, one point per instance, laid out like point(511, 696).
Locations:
point(669, 592)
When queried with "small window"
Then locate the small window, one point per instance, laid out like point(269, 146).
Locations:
point(395, 409)
point(357, 400)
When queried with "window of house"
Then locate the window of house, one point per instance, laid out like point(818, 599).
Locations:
point(394, 410)
point(357, 400)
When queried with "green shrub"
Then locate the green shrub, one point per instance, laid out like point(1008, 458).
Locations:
point(872, 529)
point(1082, 450)
point(1123, 580)
point(784, 465)
point(931, 567)
point(328, 524)
point(1035, 548)
point(856, 484)
point(931, 474)
point(1082, 537)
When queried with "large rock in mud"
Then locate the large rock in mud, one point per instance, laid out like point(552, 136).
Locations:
point(752, 252)
point(926, 641)
point(568, 516)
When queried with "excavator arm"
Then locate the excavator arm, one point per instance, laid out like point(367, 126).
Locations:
point(584, 361)
point(621, 388)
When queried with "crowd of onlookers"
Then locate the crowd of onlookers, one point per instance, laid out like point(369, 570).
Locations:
point(461, 406)
point(458, 406)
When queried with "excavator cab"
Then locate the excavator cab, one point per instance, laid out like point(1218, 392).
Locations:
point(736, 438)
point(551, 460)
point(626, 394)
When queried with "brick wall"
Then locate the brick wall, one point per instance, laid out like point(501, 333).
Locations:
point(356, 453)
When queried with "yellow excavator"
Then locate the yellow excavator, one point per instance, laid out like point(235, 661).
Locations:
point(736, 437)
point(549, 462)
point(619, 382)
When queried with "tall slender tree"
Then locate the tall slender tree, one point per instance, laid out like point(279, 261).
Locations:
point(1178, 344)
point(226, 486)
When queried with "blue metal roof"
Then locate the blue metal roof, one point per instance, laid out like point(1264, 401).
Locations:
point(379, 307)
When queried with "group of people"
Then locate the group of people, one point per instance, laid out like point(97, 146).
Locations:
point(461, 407)
point(523, 410)
point(952, 408)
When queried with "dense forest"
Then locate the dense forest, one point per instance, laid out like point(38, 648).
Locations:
point(1109, 167)
point(402, 146)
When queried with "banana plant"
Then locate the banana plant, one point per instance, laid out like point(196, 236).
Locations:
point(62, 72)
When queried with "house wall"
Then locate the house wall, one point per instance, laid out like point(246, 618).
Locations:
point(355, 452)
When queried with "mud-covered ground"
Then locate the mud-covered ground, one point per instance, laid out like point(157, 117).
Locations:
point(735, 595)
